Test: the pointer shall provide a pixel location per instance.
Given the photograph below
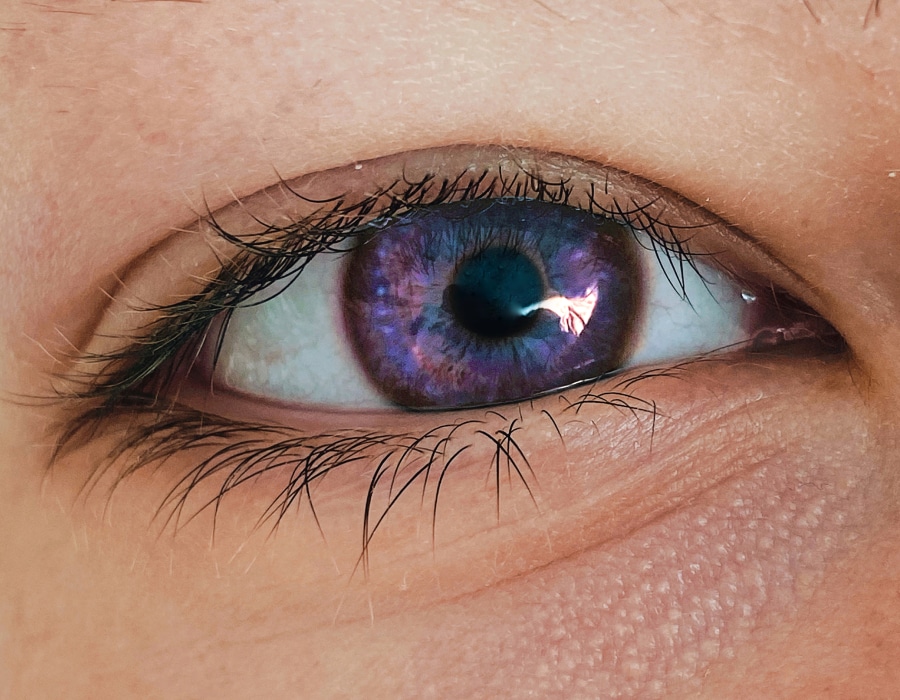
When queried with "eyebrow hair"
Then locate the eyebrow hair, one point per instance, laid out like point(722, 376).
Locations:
point(873, 12)
point(809, 8)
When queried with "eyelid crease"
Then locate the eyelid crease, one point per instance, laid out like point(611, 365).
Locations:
point(176, 246)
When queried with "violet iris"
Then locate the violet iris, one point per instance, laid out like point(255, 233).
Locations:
point(491, 301)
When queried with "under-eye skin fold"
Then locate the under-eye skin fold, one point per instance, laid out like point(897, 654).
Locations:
point(477, 278)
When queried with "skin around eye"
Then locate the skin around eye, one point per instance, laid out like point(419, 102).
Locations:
point(725, 528)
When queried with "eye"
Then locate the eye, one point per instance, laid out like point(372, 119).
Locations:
point(477, 276)
point(478, 302)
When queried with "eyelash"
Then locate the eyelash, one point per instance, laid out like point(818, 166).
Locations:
point(136, 380)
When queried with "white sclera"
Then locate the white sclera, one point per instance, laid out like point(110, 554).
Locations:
point(293, 348)
point(706, 316)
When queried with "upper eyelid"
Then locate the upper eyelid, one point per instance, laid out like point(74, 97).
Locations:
point(479, 170)
point(647, 205)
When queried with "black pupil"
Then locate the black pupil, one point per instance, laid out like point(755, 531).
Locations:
point(494, 292)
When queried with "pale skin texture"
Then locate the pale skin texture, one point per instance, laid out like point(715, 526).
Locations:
point(755, 551)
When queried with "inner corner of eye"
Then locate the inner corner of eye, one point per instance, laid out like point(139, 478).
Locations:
point(457, 305)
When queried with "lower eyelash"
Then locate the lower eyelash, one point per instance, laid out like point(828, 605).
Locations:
point(237, 454)
point(233, 454)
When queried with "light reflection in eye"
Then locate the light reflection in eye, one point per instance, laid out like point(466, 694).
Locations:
point(476, 303)
point(574, 312)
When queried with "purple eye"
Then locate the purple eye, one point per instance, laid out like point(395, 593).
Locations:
point(487, 302)
point(481, 302)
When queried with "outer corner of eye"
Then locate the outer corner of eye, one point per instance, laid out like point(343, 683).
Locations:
point(471, 286)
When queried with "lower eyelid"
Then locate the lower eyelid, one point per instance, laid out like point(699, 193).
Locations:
point(596, 461)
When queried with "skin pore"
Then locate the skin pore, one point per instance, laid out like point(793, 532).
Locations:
point(745, 544)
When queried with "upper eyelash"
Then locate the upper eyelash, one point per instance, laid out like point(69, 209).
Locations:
point(280, 252)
